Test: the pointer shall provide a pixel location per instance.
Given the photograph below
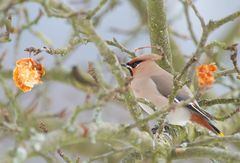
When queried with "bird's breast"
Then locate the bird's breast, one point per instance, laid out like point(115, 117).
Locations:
point(146, 88)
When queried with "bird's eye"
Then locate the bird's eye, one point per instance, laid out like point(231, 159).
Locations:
point(134, 64)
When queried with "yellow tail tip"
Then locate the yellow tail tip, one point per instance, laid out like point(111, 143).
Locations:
point(221, 134)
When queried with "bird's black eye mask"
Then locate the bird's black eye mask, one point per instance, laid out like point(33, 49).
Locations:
point(132, 65)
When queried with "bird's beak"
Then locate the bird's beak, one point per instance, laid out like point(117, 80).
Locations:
point(126, 66)
point(123, 65)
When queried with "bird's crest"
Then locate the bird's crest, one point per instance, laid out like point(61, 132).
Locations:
point(145, 57)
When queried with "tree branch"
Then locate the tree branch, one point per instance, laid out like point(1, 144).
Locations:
point(212, 25)
point(111, 59)
point(206, 152)
point(157, 25)
point(189, 23)
point(212, 140)
point(207, 102)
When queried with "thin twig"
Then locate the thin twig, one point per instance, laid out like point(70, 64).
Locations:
point(96, 9)
point(179, 35)
point(225, 73)
point(189, 23)
point(212, 140)
point(111, 5)
point(161, 113)
point(108, 154)
point(206, 152)
point(115, 43)
point(12, 100)
point(207, 102)
point(218, 44)
point(63, 156)
point(198, 15)
point(58, 51)
point(195, 57)
point(234, 51)
point(85, 107)
point(29, 23)
point(230, 115)
point(212, 25)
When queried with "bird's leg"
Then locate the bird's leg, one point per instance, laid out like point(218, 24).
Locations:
point(158, 127)
point(154, 131)
point(155, 128)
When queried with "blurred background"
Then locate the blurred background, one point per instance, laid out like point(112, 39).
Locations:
point(126, 22)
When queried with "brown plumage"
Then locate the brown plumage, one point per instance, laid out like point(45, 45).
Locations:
point(155, 85)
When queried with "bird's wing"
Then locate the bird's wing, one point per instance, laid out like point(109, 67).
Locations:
point(164, 84)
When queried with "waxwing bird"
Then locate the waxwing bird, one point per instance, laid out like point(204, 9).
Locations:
point(154, 84)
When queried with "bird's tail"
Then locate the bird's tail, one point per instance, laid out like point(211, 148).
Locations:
point(215, 130)
point(205, 123)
